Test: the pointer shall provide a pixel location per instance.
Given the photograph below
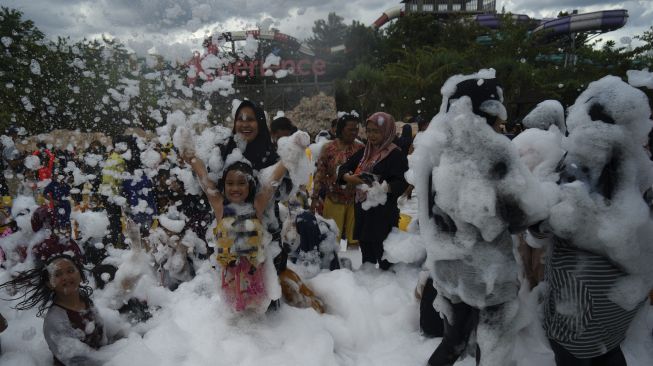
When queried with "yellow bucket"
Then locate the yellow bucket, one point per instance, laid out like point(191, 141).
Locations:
point(404, 221)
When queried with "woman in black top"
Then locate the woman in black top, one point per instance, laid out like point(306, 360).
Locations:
point(381, 161)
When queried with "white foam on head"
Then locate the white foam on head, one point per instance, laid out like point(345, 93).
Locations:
point(626, 105)
point(609, 216)
point(449, 87)
point(545, 114)
point(541, 151)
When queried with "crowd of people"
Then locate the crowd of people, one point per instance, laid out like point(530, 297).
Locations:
point(244, 202)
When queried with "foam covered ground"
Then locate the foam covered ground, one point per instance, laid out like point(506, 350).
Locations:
point(372, 319)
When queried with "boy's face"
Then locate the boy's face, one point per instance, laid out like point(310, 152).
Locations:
point(236, 186)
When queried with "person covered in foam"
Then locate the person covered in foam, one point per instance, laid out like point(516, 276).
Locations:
point(56, 285)
point(239, 204)
point(599, 271)
point(473, 192)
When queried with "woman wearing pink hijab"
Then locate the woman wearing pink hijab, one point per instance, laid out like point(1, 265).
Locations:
point(378, 174)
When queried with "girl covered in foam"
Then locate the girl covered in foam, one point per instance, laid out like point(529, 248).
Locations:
point(57, 286)
point(240, 235)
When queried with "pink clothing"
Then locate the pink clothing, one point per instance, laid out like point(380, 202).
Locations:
point(243, 285)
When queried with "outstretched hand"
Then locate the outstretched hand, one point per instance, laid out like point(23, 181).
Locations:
point(183, 140)
point(133, 233)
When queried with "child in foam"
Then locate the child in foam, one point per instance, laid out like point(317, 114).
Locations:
point(241, 238)
point(73, 329)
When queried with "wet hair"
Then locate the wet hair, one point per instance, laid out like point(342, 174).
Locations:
point(34, 289)
point(282, 124)
point(251, 180)
point(342, 123)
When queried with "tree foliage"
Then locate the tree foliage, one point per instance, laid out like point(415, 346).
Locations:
point(91, 85)
point(97, 85)
point(413, 56)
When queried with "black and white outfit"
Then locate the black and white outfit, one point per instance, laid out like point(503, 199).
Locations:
point(597, 261)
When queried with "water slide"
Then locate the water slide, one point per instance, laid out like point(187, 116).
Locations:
point(594, 22)
point(274, 35)
point(388, 15)
point(271, 35)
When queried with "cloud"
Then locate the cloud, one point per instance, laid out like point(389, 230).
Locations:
point(141, 22)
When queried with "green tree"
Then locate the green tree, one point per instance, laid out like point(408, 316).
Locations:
point(363, 90)
point(327, 33)
point(21, 74)
point(418, 77)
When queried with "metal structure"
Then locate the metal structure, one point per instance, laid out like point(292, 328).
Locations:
point(450, 6)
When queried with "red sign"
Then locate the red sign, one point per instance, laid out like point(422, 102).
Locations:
point(241, 68)
point(301, 67)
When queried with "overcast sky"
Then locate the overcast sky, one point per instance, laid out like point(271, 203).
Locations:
point(146, 23)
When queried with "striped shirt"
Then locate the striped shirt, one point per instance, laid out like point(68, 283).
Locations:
point(578, 313)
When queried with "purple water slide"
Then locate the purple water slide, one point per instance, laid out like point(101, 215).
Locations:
point(493, 21)
point(598, 21)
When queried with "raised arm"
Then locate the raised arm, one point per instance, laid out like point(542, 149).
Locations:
point(268, 187)
point(318, 178)
point(212, 193)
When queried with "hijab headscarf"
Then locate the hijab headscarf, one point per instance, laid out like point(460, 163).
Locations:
point(372, 154)
point(260, 152)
